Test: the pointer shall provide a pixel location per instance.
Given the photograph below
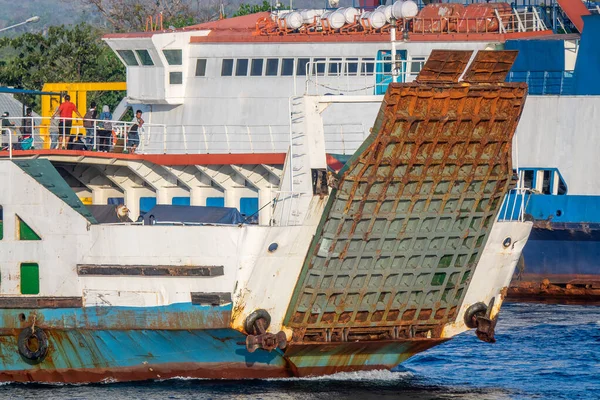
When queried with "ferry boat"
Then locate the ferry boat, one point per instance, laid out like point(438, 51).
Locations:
point(400, 250)
point(343, 272)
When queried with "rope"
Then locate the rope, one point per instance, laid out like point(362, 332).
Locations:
point(257, 211)
point(341, 90)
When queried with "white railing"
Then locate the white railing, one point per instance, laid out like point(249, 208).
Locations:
point(351, 77)
point(514, 205)
point(172, 139)
point(23, 133)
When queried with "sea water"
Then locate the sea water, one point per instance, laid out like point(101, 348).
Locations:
point(542, 352)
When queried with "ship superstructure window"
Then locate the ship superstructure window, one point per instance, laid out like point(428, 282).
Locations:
point(175, 78)
point(144, 57)
point(227, 67)
point(301, 66)
point(201, 67)
point(416, 64)
point(352, 66)
point(543, 180)
point(174, 57)
point(128, 57)
point(319, 66)
point(272, 66)
point(367, 66)
point(287, 67)
point(335, 66)
point(256, 67)
point(241, 67)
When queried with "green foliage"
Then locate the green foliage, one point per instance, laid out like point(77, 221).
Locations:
point(62, 54)
point(246, 9)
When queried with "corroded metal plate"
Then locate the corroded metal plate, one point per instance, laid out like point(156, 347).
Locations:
point(444, 66)
point(490, 66)
point(403, 232)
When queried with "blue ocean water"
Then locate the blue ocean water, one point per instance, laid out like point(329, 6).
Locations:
point(542, 352)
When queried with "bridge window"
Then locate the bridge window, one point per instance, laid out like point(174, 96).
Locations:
point(227, 67)
point(175, 78)
point(128, 57)
point(416, 64)
point(241, 67)
point(335, 66)
point(543, 181)
point(562, 187)
point(272, 66)
point(319, 66)
point(352, 66)
point(201, 67)
point(367, 66)
point(301, 66)
point(528, 179)
point(546, 182)
point(287, 67)
point(144, 57)
point(174, 57)
point(256, 68)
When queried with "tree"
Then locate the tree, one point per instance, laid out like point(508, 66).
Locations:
point(246, 9)
point(128, 16)
point(63, 54)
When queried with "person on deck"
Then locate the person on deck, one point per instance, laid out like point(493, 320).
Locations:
point(66, 110)
point(105, 132)
point(89, 125)
point(133, 136)
point(27, 130)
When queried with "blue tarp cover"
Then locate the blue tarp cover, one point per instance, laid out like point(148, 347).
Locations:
point(193, 214)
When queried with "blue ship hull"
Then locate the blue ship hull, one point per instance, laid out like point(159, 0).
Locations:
point(105, 344)
point(563, 251)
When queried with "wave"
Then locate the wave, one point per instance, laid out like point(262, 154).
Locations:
point(381, 375)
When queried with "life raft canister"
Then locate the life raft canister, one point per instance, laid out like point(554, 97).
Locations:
point(27, 344)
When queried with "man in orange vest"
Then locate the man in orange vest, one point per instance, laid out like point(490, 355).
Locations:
point(66, 110)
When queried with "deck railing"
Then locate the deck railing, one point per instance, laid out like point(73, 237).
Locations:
point(171, 139)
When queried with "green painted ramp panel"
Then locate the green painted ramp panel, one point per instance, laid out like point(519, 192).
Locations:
point(44, 172)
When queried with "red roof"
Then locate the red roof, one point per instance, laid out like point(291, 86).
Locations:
point(245, 23)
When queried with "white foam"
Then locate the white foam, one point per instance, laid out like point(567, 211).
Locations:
point(375, 375)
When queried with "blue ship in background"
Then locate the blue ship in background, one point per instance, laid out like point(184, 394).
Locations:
point(561, 259)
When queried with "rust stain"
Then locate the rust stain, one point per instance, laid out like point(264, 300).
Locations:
point(413, 209)
point(572, 292)
point(444, 66)
point(490, 66)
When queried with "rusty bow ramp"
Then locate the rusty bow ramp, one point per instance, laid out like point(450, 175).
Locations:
point(408, 218)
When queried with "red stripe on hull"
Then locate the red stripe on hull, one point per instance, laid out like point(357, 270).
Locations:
point(162, 159)
point(146, 372)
